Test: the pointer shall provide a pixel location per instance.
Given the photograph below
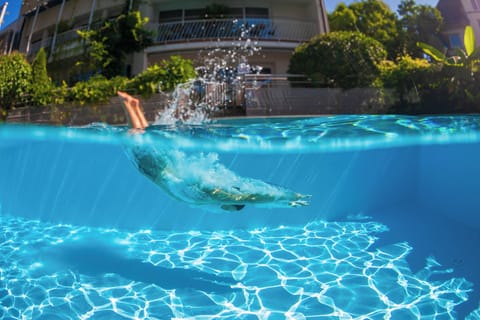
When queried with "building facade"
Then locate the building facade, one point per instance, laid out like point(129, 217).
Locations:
point(457, 14)
point(180, 27)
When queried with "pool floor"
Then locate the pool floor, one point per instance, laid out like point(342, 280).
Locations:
point(322, 270)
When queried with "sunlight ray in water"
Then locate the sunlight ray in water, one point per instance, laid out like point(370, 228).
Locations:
point(324, 269)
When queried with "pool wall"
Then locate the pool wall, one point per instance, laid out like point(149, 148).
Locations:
point(449, 181)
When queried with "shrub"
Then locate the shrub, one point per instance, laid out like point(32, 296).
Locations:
point(339, 59)
point(42, 86)
point(97, 89)
point(410, 78)
point(15, 79)
point(163, 77)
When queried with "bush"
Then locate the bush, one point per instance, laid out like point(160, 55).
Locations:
point(411, 79)
point(97, 89)
point(421, 87)
point(339, 60)
point(15, 79)
point(163, 77)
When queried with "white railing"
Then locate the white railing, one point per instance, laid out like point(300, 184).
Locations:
point(258, 29)
point(64, 40)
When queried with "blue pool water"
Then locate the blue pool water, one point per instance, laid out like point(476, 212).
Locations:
point(391, 230)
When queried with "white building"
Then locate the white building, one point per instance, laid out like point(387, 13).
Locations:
point(181, 27)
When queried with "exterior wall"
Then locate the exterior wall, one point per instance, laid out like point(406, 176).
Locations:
point(278, 9)
point(76, 14)
point(276, 60)
point(276, 51)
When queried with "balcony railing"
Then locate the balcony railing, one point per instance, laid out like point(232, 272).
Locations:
point(258, 29)
point(67, 44)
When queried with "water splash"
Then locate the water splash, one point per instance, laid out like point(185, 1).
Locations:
point(220, 82)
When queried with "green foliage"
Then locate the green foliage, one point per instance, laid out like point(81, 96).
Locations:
point(42, 86)
point(417, 23)
point(165, 76)
point(468, 58)
point(108, 46)
point(412, 80)
point(15, 79)
point(339, 59)
point(370, 17)
point(469, 40)
point(423, 87)
point(97, 89)
point(343, 19)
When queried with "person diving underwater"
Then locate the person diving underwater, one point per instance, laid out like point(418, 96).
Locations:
point(200, 180)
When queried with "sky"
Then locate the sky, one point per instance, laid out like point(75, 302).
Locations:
point(14, 7)
point(13, 10)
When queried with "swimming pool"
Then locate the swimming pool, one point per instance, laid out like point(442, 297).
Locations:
point(391, 230)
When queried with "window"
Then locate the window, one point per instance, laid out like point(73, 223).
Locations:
point(455, 41)
point(260, 13)
point(194, 14)
point(170, 16)
point(236, 13)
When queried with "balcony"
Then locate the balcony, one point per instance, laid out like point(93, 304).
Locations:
point(225, 29)
point(68, 44)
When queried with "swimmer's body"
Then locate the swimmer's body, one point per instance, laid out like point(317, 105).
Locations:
point(177, 175)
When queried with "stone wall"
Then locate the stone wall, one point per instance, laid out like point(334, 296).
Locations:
point(278, 99)
point(68, 114)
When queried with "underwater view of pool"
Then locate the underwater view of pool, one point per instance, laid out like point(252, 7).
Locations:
point(334, 217)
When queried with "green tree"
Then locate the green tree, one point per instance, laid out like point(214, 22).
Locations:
point(42, 86)
point(109, 45)
point(343, 19)
point(339, 59)
point(417, 23)
point(15, 80)
point(371, 17)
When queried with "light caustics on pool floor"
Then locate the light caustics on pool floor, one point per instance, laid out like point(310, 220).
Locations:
point(324, 269)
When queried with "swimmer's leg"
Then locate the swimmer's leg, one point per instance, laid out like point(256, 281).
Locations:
point(134, 111)
point(259, 194)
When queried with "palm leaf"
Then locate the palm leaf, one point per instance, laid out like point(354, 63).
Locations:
point(469, 40)
point(432, 52)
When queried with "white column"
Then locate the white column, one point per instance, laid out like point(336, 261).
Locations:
point(2, 13)
point(322, 19)
point(32, 28)
point(92, 11)
point(59, 17)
